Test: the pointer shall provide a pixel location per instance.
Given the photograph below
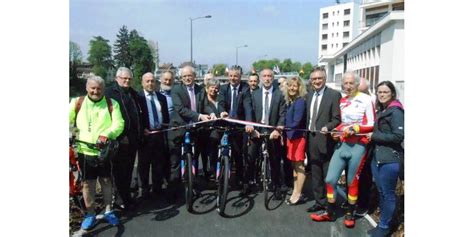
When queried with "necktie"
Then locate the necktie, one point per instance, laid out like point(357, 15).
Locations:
point(193, 100)
point(234, 102)
point(156, 120)
point(266, 108)
point(315, 111)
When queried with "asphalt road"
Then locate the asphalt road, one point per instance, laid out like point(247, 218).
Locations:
point(246, 216)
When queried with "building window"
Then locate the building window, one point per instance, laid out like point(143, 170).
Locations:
point(374, 18)
point(346, 23)
point(325, 15)
point(338, 23)
point(344, 44)
point(332, 46)
point(398, 6)
point(337, 45)
point(333, 13)
point(337, 34)
point(325, 26)
point(333, 24)
point(324, 47)
point(347, 11)
point(325, 36)
point(345, 34)
point(332, 35)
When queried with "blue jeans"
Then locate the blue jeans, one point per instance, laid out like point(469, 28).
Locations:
point(386, 176)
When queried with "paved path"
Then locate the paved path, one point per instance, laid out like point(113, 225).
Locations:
point(247, 217)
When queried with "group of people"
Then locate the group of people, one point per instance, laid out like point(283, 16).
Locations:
point(335, 134)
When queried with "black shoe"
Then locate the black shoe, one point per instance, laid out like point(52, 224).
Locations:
point(315, 208)
point(278, 195)
point(245, 190)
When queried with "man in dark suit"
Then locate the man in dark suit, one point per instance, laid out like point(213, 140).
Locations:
point(237, 105)
point(131, 137)
point(269, 108)
point(185, 101)
point(152, 151)
point(323, 114)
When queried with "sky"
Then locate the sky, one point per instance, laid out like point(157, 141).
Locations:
point(271, 29)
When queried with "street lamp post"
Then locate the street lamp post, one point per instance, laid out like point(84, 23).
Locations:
point(191, 20)
point(237, 53)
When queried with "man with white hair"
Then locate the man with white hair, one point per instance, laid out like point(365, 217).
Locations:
point(123, 162)
point(186, 110)
point(97, 120)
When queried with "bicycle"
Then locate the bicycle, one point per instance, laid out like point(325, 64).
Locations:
point(223, 172)
point(265, 168)
point(223, 167)
point(188, 170)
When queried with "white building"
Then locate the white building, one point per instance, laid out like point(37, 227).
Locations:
point(339, 24)
point(377, 54)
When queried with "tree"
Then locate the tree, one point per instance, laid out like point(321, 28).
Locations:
point(286, 65)
point(141, 57)
point(122, 49)
point(261, 64)
point(306, 69)
point(75, 53)
point(100, 56)
point(219, 69)
point(75, 59)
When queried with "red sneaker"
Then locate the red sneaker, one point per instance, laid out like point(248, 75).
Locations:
point(349, 221)
point(322, 216)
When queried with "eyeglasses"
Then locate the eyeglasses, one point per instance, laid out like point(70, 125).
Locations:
point(125, 78)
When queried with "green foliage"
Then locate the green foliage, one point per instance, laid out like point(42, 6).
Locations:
point(75, 53)
point(286, 65)
point(100, 55)
point(261, 64)
point(306, 69)
point(219, 69)
point(142, 58)
point(121, 49)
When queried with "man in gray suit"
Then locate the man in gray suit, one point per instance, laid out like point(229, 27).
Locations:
point(186, 110)
point(269, 108)
point(323, 114)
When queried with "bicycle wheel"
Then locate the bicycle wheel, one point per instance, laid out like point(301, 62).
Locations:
point(266, 180)
point(223, 187)
point(188, 187)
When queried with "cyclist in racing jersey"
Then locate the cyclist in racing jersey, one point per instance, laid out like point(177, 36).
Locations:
point(357, 116)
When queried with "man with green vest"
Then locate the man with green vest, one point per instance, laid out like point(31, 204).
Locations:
point(97, 120)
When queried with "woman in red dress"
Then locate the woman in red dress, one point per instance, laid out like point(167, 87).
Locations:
point(296, 119)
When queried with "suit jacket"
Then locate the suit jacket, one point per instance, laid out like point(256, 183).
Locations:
point(296, 118)
point(208, 108)
point(277, 107)
point(164, 109)
point(131, 111)
point(182, 105)
point(244, 107)
point(329, 115)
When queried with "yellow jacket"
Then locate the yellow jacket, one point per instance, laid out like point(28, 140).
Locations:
point(93, 120)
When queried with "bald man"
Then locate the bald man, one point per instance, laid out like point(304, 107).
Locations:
point(150, 154)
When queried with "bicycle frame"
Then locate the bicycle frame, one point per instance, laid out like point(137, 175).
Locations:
point(186, 148)
point(223, 151)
